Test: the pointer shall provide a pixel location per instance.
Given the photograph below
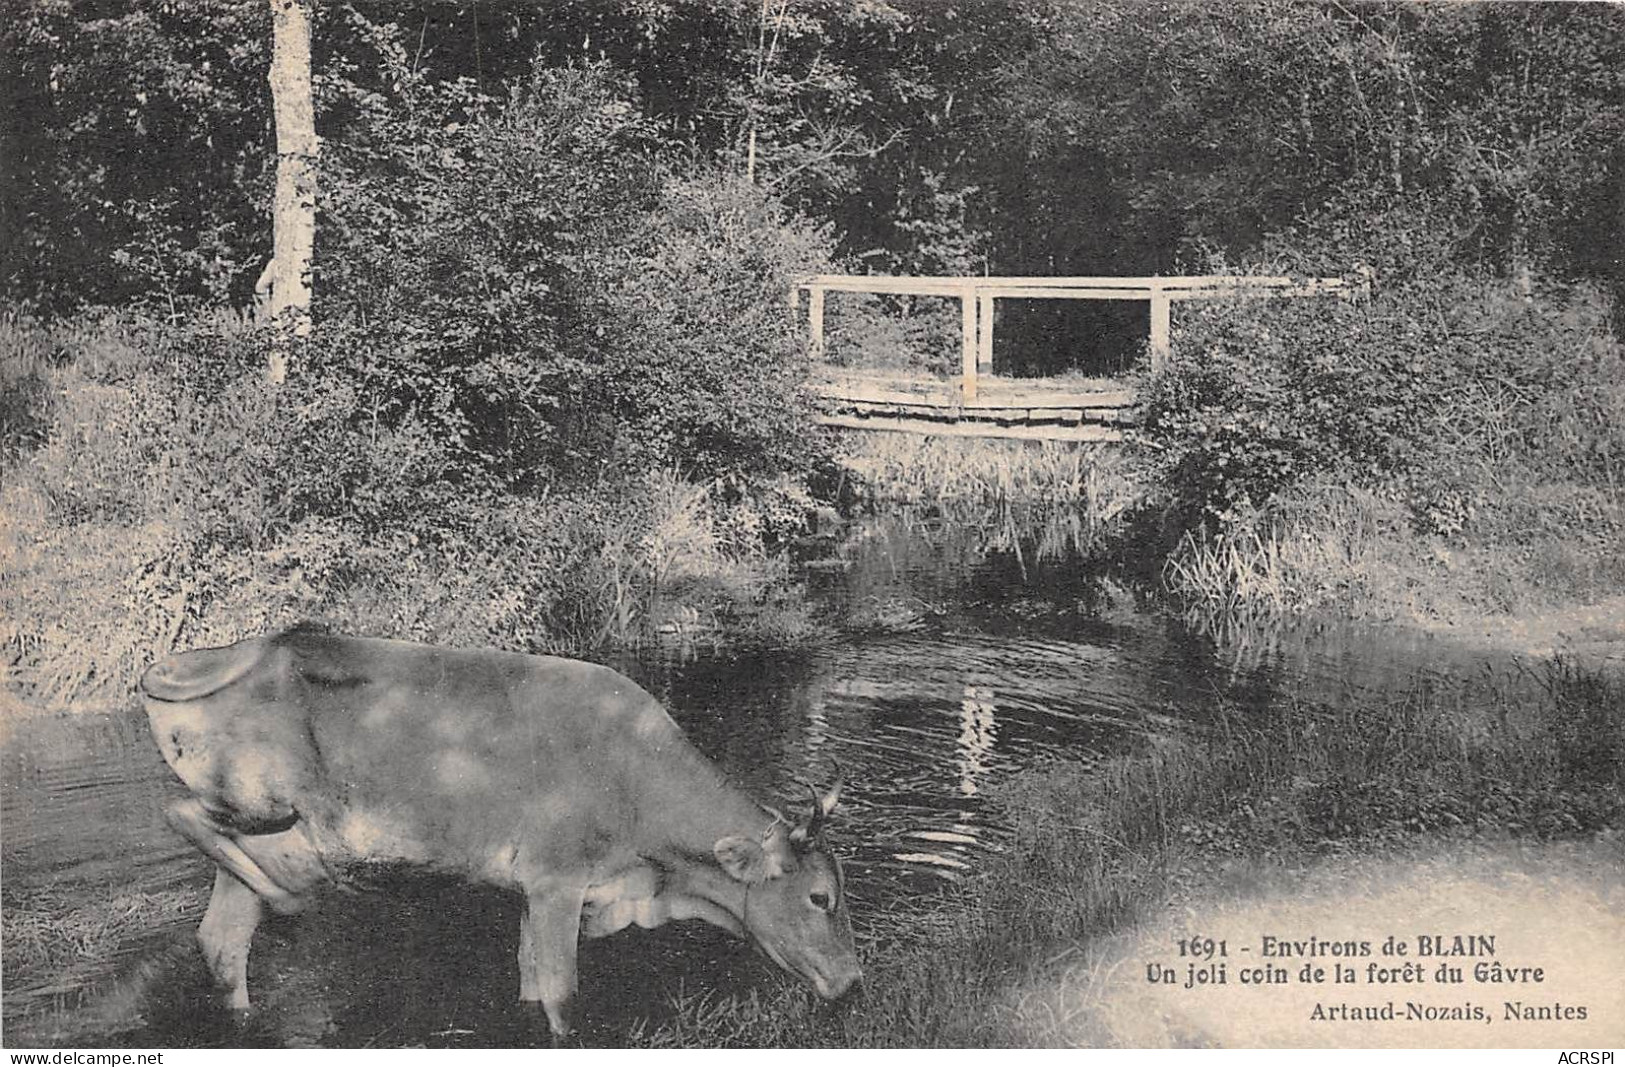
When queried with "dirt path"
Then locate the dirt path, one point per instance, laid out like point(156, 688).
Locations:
point(1558, 908)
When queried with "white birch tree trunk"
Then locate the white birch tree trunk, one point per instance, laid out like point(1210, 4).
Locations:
point(284, 287)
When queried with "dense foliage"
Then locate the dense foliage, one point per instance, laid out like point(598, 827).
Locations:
point(1428, 387)
point(553, 377)
point(1027, 137)
point(528, 277)
point(134, 164)
point(1447, 429)
point(554, 246)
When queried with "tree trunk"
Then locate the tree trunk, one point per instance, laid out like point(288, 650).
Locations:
point(283, 290)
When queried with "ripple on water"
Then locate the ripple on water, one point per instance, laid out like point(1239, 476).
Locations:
point(924, 725)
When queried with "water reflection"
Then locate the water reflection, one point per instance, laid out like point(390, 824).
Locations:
point(987, 662)
point(976, 735)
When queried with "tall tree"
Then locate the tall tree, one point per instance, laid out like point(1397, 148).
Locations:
point(284, 288)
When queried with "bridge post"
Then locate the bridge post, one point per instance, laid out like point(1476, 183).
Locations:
point(984, 340)
point(815, 322)
point(1160, 345)
point(967, 336)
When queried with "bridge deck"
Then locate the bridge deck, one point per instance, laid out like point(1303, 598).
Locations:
point(1061, 409)
point(979, 404)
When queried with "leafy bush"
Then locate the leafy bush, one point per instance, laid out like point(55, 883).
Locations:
point(526, 279)
point(462, 244)
point(1352, 453)
point(526, 324)
point(700, 364)
point(173, 502)
point(1423, 392)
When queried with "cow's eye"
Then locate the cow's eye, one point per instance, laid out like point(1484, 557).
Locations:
point(820, 900)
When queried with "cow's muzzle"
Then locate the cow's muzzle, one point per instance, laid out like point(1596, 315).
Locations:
point(841, 986)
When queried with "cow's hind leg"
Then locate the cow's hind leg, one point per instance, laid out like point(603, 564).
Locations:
point(548, 936)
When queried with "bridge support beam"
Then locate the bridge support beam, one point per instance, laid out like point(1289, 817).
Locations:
point(984, 339)
point(1160, 328)
point(815, 322)
point(967, 305)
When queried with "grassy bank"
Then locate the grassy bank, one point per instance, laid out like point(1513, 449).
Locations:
point(87, 606)
point(1262, 789)
point(1517, 574)
point(905, 468)
point(1339, 548)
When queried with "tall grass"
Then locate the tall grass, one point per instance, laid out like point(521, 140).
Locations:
point(1344, 549)
point(910, 468)
point(1096, 845)
point(1050, 498)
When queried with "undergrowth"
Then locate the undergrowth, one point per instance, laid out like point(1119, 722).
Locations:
point(1055, 499)
point(160, 494)
point(1446, 443)
point(903, 468)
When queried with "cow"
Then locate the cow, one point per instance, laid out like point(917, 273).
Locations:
point(315, 759)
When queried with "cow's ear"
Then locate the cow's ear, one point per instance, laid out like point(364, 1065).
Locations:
point(744, 860)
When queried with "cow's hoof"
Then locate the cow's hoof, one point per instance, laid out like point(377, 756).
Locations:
point(539, 1028)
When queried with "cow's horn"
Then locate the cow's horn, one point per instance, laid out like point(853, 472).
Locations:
point(815, 817)
point(827, 802)
point(821, 807)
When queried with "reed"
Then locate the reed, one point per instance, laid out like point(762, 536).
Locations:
point(916, 469)
point(1346, 550)
point(1050, 499)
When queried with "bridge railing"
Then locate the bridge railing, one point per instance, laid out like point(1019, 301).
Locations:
point(977, 294)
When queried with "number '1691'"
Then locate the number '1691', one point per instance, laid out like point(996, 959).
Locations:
point(1202, 948)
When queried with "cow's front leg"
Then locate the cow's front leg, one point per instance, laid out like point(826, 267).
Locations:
point(225, 934)
point(548, 936)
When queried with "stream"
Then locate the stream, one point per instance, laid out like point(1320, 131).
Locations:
point(959, 668)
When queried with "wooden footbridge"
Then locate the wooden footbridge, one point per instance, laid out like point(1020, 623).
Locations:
point(980, 404)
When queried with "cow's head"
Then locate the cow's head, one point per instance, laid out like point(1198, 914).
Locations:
point(795, 900)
